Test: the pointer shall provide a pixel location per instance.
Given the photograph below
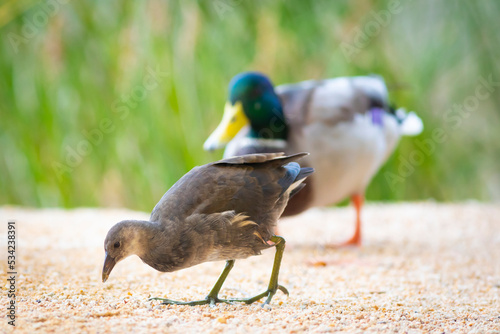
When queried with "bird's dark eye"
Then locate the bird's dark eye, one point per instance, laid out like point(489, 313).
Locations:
point(117, 244)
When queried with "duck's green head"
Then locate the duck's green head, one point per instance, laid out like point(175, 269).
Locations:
point(252, 101)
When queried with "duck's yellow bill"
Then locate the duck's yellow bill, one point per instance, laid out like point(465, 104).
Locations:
point(233, 121)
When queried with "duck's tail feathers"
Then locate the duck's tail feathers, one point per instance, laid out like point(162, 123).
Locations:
point(410, 123)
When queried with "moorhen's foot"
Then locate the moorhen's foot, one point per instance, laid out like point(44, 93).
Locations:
point(269, 294)
point(212, 301)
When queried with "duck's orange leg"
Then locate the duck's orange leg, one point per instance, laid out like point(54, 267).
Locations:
point(355, 240)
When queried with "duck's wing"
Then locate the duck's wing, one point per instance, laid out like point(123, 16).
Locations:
point(331, 100)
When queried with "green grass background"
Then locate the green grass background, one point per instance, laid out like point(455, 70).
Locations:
point(65, 66)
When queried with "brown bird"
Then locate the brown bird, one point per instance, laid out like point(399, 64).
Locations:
point(225, 210)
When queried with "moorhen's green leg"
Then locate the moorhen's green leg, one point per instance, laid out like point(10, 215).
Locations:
point(213, 296)
point(273, 282)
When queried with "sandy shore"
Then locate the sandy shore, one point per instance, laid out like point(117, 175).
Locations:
point(424, 267)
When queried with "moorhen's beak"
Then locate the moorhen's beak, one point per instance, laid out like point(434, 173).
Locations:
point(109, 263)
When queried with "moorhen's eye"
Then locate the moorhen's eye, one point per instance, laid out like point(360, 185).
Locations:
point(117, 244)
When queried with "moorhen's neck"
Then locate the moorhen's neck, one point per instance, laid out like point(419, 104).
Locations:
point(163, 246)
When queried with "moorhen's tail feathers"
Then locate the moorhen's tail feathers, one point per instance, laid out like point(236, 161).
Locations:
point(274, 159)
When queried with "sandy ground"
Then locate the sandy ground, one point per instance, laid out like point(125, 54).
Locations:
point(424, 267)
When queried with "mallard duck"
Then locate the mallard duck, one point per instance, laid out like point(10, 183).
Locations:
point(225, 210)
point(345, 123)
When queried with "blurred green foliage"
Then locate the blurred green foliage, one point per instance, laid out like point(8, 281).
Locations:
point(107, 103)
